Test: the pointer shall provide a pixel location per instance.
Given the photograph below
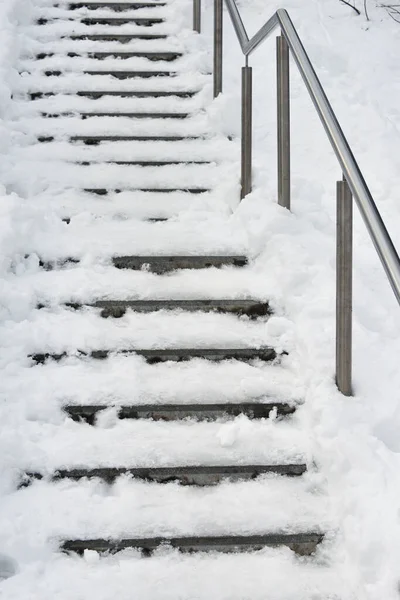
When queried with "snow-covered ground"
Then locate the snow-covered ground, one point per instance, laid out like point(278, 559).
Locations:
point(354, 441)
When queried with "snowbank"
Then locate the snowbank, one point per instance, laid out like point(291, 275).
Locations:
point(356, 440)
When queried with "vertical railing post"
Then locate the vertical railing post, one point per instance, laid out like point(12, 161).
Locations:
point(218, 42)
point(283, 105)
point(247, 128)
point(344, 287)
point(197, 15)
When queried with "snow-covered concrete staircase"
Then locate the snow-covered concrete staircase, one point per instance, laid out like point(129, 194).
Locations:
point(171, 423)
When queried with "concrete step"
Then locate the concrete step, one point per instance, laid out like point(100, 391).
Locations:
point(301, 543)
point(117, 308)
point(157, 356)
point(120, 93)
point(143, 163)
point(119, 74)
point(106, 191)
point(123, 38)
point(129, 115)
point(115, 21)
point(67, 220)
point(167, 56)
point(188, 475)
point(94, 140)
point(178, 412)
point(153, 56)
point(138, 94)
point(116, 6)
point(165, 264)
point(157, 264)
point(133, 74)
point(112, 21)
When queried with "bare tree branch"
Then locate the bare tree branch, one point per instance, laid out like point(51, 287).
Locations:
point(365, 9)
point(390, 15)
point(351, 6)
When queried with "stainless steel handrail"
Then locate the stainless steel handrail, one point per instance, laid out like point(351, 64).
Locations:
point(369, 212)
point(353, 181)
point(366, 205)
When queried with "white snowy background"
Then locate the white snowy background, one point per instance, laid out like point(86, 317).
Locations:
point(355, 441)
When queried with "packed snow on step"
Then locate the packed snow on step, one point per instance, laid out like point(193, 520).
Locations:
point(354, 441)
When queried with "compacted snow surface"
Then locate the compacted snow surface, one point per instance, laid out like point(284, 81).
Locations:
point(351, 444)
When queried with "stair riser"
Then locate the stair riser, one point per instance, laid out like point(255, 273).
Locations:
point(136, 163)
point(154, 357)
point(302, 544)
point(209, 412)
point(116, 6)
point(117, 309)
point(158, 265)
point(111, 21)
point(115, 37)
point(137, 115)
point(116, 115)
point(168, 264)
point(104, 192)
point(96, 140)
point(118, 74)
point(119, 94)
point(141, 22)
point(196, 476)
point(153, 56)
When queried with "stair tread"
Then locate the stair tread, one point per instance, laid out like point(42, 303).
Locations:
point(176, 511)
point(146, 443)
point(202, 382)
point(192, 150)
point(272, 574)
